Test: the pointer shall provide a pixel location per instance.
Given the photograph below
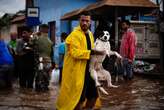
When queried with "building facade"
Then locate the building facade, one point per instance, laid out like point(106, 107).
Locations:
point(51, 11)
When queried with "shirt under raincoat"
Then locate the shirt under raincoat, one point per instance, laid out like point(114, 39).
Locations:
point(75, 61)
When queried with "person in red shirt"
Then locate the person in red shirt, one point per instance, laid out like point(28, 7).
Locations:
point(127, 48)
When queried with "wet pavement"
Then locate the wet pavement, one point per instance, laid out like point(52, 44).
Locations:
point(27, 99)
point(142, 93)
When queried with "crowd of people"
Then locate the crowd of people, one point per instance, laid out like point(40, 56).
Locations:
point(20, 59)
point(31, 59)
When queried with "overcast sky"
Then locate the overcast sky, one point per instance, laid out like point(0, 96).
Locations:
point(11, 6)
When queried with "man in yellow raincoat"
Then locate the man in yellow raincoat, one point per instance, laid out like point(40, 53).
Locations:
point(77, 84)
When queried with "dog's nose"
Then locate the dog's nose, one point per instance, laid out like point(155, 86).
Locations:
point(105, 38)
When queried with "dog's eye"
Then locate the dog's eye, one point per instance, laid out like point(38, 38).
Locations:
point(102, 34)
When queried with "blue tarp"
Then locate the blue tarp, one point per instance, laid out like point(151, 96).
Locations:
point(5, 56)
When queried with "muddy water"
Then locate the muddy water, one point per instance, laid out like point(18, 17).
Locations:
point(140, 94)
point(27, 99)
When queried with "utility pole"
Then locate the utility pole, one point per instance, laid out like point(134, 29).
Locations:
point(157, 2)
point(161, 36)
point(29, 3)
point(162, 8)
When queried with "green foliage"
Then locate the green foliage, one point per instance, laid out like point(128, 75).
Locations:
point(4, 21)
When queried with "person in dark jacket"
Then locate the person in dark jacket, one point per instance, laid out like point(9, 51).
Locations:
point(43, 47)
point(26, 59)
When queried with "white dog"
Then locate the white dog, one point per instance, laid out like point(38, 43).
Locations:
point(96, 69)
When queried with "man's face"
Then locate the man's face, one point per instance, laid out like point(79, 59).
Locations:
point(124, 26)
point(26, 35)
point(85, 22)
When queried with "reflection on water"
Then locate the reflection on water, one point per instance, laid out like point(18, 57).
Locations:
point(139, 94)
point(26, 99)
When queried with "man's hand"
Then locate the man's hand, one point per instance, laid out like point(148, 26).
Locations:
point(118, 55)
point(130, 61)
point(97, 52)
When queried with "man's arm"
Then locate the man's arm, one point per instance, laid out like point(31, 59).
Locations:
point(75, 48)
point(132, 45)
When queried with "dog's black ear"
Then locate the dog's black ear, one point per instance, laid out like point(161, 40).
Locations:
point(98, 33)
point(101, 33)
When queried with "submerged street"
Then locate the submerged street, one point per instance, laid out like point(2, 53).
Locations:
point(142, 93)
point(44, 39)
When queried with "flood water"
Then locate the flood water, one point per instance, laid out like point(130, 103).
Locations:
point(142, 93)
point(27, 99)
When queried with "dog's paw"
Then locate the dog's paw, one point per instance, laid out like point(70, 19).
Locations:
point(103, 90)
point(114, 86)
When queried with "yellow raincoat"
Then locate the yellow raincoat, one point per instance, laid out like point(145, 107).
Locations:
point(74, 69)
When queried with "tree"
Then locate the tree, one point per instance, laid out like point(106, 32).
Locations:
point(5, 20)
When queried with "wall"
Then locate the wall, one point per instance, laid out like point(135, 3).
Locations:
point(5, 33)
point(148, 46)
point(52, 10)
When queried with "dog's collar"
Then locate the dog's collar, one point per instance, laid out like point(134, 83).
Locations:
point(102, 40)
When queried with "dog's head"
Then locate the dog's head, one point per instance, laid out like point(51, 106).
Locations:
point(105, 36)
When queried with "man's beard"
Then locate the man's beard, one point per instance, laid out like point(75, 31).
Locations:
point(84, 28)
